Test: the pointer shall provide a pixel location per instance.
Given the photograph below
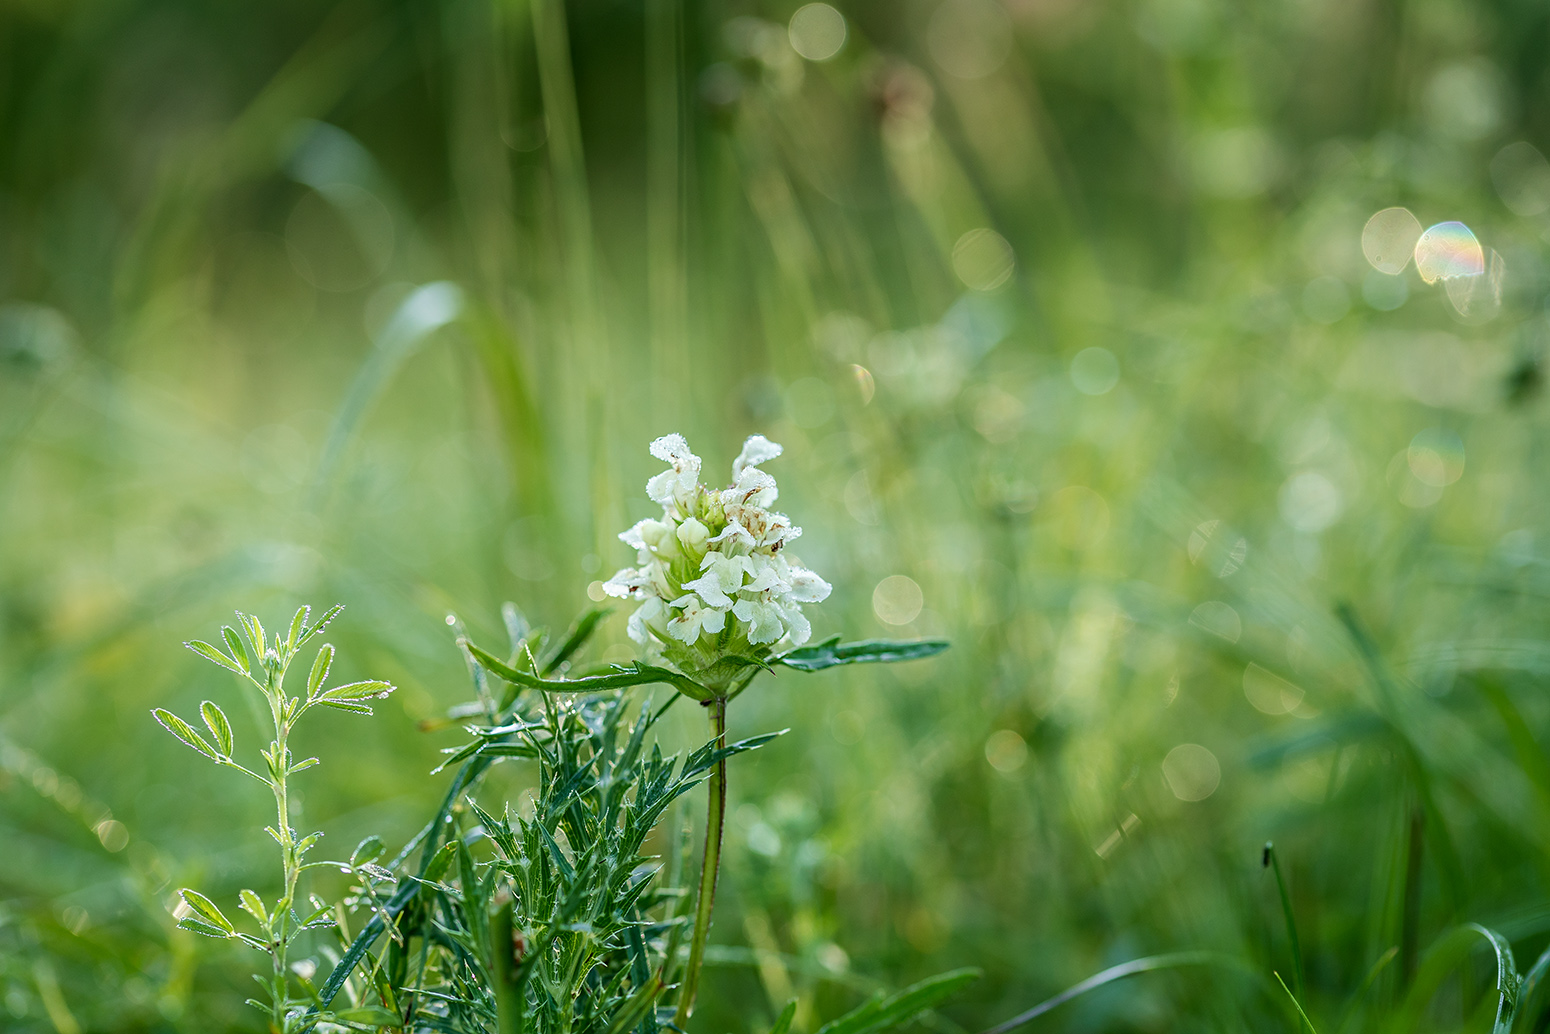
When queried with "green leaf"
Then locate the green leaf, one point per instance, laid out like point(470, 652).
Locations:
point(193, 925)
point(255, 632)
point(298, 625)
point(302, 766)
point(220, 728)
point(368, 850)
point(205, 909)
point(346, 706)
point(631, 675)
point(369, 1015)
point(783, 1021)
point(320, 667)
point(234, 643)
point(210, 653)
point(371, 690)
point(179, 728)
point(440, 862)
point(831, 652)
point(576, 638)
point(322, 622)
point(884, 1013)
point(253, 905)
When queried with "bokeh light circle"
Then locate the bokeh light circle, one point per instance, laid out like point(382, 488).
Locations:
point(983, 259)
point(897, 600)
point(1389, 239)
point(817, 31)
point(1192, 772)
point(1094, 371)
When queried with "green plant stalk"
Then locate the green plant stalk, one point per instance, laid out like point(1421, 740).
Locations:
point(279, 935)
point(710, 866)
point(1291, 922)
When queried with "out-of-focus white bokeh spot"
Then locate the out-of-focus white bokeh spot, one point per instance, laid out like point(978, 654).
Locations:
point(1388, 239)
point(897, 600)
point(983, 259)
point(817, 31)
point(1192, 772)
point(1094, 371)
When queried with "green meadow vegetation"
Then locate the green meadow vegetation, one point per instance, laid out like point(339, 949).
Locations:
point(1159, 382)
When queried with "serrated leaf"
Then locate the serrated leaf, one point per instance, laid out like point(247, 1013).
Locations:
point(831, 652)
point(320, 666)
point(220, 728)
point(298, 625)
point(179, 728)
point(345, 706)
point(253, 905)
point(206, 910)
point(210, 653)
point(369, 690)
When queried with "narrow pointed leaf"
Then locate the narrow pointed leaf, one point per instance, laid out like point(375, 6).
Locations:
point(371, 690)
point(831, 652)
point(179, 728)
point(345, 705)
point(210, 653)
point(322, 622)
point(298, 625)
point(783, 1021)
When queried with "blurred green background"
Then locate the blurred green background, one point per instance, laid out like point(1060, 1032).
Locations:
point(1061, 311)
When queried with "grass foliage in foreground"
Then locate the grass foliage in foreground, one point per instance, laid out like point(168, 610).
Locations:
point(553, 922)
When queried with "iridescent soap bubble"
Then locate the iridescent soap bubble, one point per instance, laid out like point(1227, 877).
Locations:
point(1478, 298)
point(1389, 238)
point(1448, 250)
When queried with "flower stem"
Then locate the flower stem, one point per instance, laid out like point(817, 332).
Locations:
point(710, 867)
point(280, 932)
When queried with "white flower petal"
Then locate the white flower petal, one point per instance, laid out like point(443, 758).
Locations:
point(756, 450)
point(807, 587)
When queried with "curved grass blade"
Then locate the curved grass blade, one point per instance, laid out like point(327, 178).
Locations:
point(1174, 960)
point(1451, 950)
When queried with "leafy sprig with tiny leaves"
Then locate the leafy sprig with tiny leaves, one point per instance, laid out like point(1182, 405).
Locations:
point(263, 662)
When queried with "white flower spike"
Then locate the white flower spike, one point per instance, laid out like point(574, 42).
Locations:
point(714, 578)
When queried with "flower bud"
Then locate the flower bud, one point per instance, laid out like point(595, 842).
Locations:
point(693, 535)
point(658, 536)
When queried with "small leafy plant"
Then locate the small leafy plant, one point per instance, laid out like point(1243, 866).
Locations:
point(559, 917)
point(283, 921)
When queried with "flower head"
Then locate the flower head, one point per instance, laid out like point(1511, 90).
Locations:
point(713, 576)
